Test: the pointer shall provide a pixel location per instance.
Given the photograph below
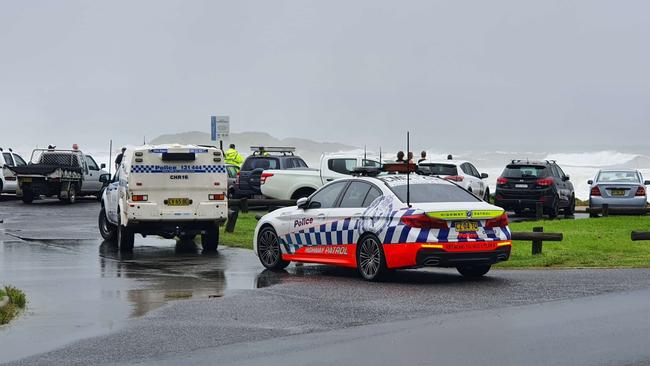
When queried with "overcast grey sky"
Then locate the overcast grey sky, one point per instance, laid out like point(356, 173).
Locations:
point(356, 72)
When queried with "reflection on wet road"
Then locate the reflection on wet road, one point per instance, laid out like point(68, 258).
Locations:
point(79, 286)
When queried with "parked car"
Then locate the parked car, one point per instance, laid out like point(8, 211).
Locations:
point(8, 157)
point(298, 183)
point(62, 173)
point(250, 177)
point(460, 172)
point(524, 183)
point(367, 223)
point(232, 170)
point(618, 188)
point(166, 190)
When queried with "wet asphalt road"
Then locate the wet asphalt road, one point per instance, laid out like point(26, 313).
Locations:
point(171, 304)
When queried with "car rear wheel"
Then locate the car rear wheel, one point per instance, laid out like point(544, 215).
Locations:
point(571, 208)
point(473, 270)
point(553, 211)
point(371, 262)
point(210, 239)
point(107, 229)
point(28, 195)
point(268, 249)
point(125, 237)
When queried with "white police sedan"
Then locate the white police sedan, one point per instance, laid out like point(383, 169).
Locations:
point(366, 223)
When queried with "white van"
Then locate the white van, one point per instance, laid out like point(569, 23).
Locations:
point(8, 157)
point(166, 190)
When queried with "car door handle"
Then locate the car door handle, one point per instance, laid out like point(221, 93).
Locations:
point(329, 179)
point(321, 215)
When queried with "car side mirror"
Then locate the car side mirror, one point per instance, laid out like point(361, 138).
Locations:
point(104, 178)
point(484, 175)
point(566, 178)
point(590, 182)
point(102, 166)
point(302, 202)
point(647, 183)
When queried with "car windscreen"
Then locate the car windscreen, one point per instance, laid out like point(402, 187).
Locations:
point(525, 171)
point(618, 177)
point(433, 192)
point(261, 163)
point(438, 169)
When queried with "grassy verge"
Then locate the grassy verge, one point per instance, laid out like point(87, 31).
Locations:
point(601, 242)
point(17, 302)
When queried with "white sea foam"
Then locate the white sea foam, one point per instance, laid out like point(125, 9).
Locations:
point(592, 159)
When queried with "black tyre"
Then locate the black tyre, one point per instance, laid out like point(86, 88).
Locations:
point(473, 270)
point(519, 212)
point(553, 211)
point(28, 195)
point(268, 249)
point(486, 195)
point(371, 262)
point(125, 237)
point(72, 194)
point(571, 208)
point(210, 239)
point(108, 230)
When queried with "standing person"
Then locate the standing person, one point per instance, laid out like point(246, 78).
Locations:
point(118, 159)
point(233, 157)
point(423, 156)
point(400, 157)
point(263, 151)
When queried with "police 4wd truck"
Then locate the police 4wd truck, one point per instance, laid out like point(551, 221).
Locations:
point(173, 191)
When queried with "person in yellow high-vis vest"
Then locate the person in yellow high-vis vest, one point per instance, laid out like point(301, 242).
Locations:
point(233, 157)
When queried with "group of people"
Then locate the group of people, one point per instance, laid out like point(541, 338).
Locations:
point(400, 157)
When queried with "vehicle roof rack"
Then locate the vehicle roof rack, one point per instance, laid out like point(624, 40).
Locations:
point(284, 150)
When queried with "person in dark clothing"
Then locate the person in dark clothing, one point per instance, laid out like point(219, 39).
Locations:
point(423, 157)
point(118, 158)
point(400, 157)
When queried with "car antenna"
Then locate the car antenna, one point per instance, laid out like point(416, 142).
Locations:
point(408, 170)
point(381, 164)
point(365, 157)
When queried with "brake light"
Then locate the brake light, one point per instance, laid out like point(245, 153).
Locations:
point(502, 181)
point(139, 197)
point(545, 182)
point(264, 176)
point(501, 221)
point(10, 178)
point(217, 197)
point(595, 191)
point(454, 178)
point(237, 178)
point(640, 191)
point(423, 221)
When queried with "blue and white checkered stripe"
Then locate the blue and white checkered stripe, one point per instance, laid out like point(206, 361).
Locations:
point(178, 169)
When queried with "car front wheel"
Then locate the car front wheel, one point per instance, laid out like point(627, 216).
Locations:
point(371, 262)
point(107, 229)
point(268, 249)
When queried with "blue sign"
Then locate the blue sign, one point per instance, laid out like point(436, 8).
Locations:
point(213, 128)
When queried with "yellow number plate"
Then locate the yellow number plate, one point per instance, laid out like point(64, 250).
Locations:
point(26, 180)
point(462, 226)
point(618, 192)
point(178, 202)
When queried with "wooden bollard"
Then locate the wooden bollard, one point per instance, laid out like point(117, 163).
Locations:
point(232, 220)
point(537, 244)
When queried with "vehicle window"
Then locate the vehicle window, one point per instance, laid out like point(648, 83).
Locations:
point(465, 169)
point(261, 163)
point(19, 160)
point(371, 163)
point(439, 169)
point(525, 171)
point(371, 196)
point(343, 166)
point(474, 170)
point(618, 177)
point(92, 165)
point(326, 196)
point(355, 194)
point(8, 159)
point(560, 171)
point(232, 171)
point(432, 192)
point(299, 163)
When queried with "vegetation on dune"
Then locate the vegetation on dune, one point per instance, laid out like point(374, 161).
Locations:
point(17, 302)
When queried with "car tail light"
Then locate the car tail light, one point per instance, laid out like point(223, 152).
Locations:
point(454, 178)
point(264, 176)
point(640, 191)
point(10, 178)
point(237, 178)
point(501, 181)
point(545, 182)
point(217, 197)
point(595, 191)
point(139, 198)
point(501, 221)
point(423, 221)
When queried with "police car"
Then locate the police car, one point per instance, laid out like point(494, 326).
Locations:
point(386, 222)
point(166, 190)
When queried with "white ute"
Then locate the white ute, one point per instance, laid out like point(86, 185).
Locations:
point(298, 183)
point(166, 190)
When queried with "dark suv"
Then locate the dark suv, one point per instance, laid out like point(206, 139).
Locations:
point(247, 184)
point(524, 183)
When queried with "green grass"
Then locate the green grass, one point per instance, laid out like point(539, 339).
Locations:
point(17, 302)
point(600, 242)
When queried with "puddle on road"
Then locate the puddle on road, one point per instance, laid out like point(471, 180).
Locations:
point(81, 288)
